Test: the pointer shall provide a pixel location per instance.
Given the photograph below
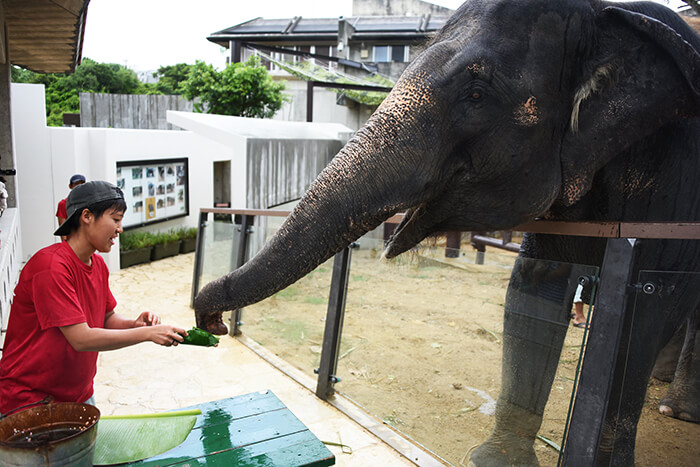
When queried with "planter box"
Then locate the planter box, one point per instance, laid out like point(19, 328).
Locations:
point(188, 245)
point(133, 257)
point(165, 250)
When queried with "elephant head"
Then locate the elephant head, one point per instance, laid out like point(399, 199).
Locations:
point(509, 112)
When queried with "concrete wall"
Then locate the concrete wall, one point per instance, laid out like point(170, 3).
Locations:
point(397, 8)
point(48, 156)
point(287, 166)
point(326, 109)
point(263, 171)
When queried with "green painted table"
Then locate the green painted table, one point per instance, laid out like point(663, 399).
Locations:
point(256, 429)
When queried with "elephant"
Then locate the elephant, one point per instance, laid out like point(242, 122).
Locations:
point(574, 110)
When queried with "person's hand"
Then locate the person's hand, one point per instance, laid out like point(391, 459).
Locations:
point(167, 336)
point(147, 319)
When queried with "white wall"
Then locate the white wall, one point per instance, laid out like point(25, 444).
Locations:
point(35, 180)
point(48, 156)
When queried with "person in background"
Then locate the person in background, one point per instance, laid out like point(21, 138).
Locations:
point(3, 195)
point(63, 311)
point(75, 180)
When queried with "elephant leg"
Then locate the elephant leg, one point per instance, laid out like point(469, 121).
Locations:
point(650, 322)
point(683, 398)
point(666, 363)
point(534, 328)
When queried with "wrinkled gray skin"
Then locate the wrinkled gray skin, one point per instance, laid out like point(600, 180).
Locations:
point(566, 110)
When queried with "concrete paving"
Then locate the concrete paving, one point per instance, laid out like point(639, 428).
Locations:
point(149, 378)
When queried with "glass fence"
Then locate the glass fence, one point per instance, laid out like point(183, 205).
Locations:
point(431, 338)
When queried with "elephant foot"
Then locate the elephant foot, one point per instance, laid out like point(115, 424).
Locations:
point(505, 449)
point(682, 404)
point(211, 322)
point(512, 442)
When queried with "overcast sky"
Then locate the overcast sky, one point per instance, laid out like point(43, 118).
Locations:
point(146, 34)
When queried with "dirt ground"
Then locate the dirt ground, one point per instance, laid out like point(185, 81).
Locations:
point(421, 349)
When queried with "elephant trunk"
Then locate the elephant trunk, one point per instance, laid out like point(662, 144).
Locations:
point(366, 183)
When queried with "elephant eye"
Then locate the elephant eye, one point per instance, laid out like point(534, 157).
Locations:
point(476, 95)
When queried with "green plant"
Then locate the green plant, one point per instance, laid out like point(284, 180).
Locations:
point(244, 89)
point(162, 238)
point(187, 233)
point(135, 240)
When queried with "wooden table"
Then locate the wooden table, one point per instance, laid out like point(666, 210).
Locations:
point(256, 429)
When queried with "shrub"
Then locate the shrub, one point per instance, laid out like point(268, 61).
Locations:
point(187, 233)
point(162, 238)
point(136, 240)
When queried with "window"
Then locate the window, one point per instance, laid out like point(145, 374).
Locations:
point(398, 53)
point(390, 53)
point(381, 53)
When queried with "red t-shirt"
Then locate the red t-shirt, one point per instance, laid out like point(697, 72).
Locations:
point(55, 289)
point(61, 209)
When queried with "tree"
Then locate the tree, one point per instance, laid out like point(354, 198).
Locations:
point(62, 91)
point(243, 89)
point(170, 77)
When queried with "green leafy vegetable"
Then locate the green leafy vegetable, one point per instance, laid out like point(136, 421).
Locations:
point(196, 336)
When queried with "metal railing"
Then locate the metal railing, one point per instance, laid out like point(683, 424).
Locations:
point(592, 396)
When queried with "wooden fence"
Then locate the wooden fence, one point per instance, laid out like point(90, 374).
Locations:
point(129, 110)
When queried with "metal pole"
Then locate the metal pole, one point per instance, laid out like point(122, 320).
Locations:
point(198, 255)
point(593, 392)
point(334, 324)
point(246, 225)
point(309, 101)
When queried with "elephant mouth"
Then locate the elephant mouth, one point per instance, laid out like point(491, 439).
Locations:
point(415, 226)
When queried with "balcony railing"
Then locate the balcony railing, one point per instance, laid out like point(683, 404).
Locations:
point(10, 255)
point(417, 341)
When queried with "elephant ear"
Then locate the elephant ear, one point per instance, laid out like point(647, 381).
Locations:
point(645, 74)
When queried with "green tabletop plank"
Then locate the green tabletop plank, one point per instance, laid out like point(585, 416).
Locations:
point(254, 429)
point(299, 449)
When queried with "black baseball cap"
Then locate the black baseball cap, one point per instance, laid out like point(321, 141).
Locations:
point(86, 195)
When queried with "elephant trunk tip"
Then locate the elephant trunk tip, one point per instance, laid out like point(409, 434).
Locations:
point(208, 313)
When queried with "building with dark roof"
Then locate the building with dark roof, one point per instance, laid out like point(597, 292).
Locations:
point(370, 48)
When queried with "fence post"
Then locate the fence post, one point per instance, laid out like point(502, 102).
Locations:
point(198, 255)
point(585, 429)
point(245, 229)
point(334, 324)
point(453, 244)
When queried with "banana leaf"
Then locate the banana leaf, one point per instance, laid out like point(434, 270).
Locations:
point(130, 438)
point(196, 336)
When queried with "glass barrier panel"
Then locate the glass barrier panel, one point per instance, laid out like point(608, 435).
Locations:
point(675, 383)
point(423, 339)
point(220, 245)
point(291, 322)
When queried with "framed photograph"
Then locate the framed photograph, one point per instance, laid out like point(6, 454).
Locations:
point(154, 190)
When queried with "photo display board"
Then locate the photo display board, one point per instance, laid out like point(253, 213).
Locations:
point(154, 191)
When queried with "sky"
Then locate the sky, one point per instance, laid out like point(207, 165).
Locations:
point(146, 34)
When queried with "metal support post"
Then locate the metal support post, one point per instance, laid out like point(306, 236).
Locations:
point(310, 101)
point(198, 255)
point(246, 224)
point(334, 324)
point(585, 429)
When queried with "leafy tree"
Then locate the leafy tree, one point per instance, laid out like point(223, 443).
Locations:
point(170, 77)
point(62, 90)
point(244, 89)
